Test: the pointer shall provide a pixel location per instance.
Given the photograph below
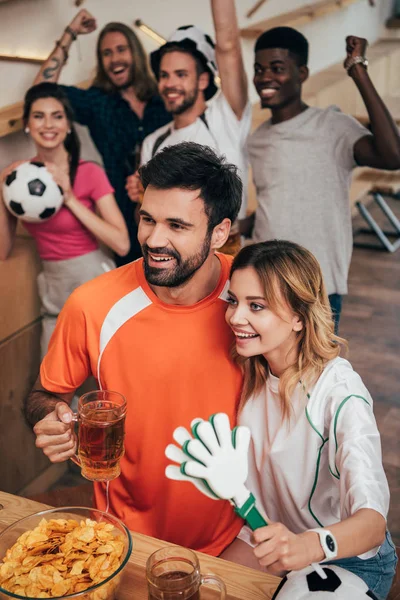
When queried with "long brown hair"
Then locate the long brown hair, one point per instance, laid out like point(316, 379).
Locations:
point(289, 271)
point(72, 144)
point(143, 82)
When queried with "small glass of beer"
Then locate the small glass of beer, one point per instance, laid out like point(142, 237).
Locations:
point(173, 573)
point(101, 430)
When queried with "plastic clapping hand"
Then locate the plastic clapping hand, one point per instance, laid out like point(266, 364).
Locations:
point(181, 436)
point(216, 456)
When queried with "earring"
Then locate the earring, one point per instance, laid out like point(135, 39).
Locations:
point(69, 131)
point(27, 130)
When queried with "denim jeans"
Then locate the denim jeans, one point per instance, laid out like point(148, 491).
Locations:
point(335, 300)
point(377, 572)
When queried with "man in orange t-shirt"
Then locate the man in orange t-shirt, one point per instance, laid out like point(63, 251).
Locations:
point(154, 330)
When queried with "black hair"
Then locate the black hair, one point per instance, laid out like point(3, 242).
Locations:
point(286, 38)
point(72, 143)
point(191, 166)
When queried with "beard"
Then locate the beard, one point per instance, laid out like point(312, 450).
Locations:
point(184, 269)
point(188, 101)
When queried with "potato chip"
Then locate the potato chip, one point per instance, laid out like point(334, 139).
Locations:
point(61, 557)
point(34, 537)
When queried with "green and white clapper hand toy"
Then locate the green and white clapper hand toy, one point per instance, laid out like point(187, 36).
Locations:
point(214, 459)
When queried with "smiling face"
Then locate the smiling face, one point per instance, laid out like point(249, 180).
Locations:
point(257, 328)
point(117, 59)
point(48, 123)
point(277, 77)
point(173, 233)
point(179, 83)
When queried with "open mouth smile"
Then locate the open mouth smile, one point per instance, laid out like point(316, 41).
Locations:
point(161, 258)
point(49, 136)
point(118, 70)
point(267, 92)
point(243, 335)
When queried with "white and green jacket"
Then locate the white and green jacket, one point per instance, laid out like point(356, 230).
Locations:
point(322, 465)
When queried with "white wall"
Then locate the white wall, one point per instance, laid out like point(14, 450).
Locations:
point(30, 27)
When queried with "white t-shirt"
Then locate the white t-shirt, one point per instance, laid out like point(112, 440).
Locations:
point(302, 172)
point(324, 464)
point(220, 130)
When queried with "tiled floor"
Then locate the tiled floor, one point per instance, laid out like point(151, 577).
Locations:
point(371, 323)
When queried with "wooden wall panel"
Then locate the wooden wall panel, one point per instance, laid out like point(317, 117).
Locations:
point(341, 94)
point(377, 69)
point(393, 73)
point(19, 301)
point(20, 461)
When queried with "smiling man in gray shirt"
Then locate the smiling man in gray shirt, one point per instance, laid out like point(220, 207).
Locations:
point(302, 158)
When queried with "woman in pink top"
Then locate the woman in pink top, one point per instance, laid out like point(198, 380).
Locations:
point(68, 242)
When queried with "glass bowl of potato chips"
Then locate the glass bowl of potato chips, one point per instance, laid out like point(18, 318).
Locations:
point(64, 553)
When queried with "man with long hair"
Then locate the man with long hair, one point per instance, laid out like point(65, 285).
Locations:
point(186, 68)
point(155, 331)
point(120, 108)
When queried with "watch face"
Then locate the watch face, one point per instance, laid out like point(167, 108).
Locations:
point(330, 543)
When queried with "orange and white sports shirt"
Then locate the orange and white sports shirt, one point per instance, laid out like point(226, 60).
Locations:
point(172, 363)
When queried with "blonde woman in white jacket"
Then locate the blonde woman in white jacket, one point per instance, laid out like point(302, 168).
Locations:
point(315, 463)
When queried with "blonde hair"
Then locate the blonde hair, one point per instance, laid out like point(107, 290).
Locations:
point(143, 81)
point(289, 271)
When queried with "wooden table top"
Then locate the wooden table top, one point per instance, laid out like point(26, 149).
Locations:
point(242, 583)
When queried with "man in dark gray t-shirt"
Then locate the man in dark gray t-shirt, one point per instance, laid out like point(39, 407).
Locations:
point(303, 157)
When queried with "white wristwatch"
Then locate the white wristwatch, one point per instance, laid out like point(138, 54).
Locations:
point(328, 543)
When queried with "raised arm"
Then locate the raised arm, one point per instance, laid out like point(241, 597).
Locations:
point(380, 150)
point(51, 68)
point(8, 223)
point(229, 55)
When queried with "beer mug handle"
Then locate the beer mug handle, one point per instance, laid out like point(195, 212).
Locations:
point(214, 580)
point(75, 457)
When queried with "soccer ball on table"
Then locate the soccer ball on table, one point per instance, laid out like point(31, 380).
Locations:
point(322, 582)
point(31, 194)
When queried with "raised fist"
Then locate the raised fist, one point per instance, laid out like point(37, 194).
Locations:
point(83, 22)
point(355, 46)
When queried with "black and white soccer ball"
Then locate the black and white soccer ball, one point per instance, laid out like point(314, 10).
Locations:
point(320, 582)
point(31, 194)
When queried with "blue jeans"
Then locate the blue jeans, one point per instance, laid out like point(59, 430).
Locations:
point(335, 300)
point(377, 572)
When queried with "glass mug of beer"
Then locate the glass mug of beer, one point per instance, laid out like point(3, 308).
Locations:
point(101, 430)
point(173, 573)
